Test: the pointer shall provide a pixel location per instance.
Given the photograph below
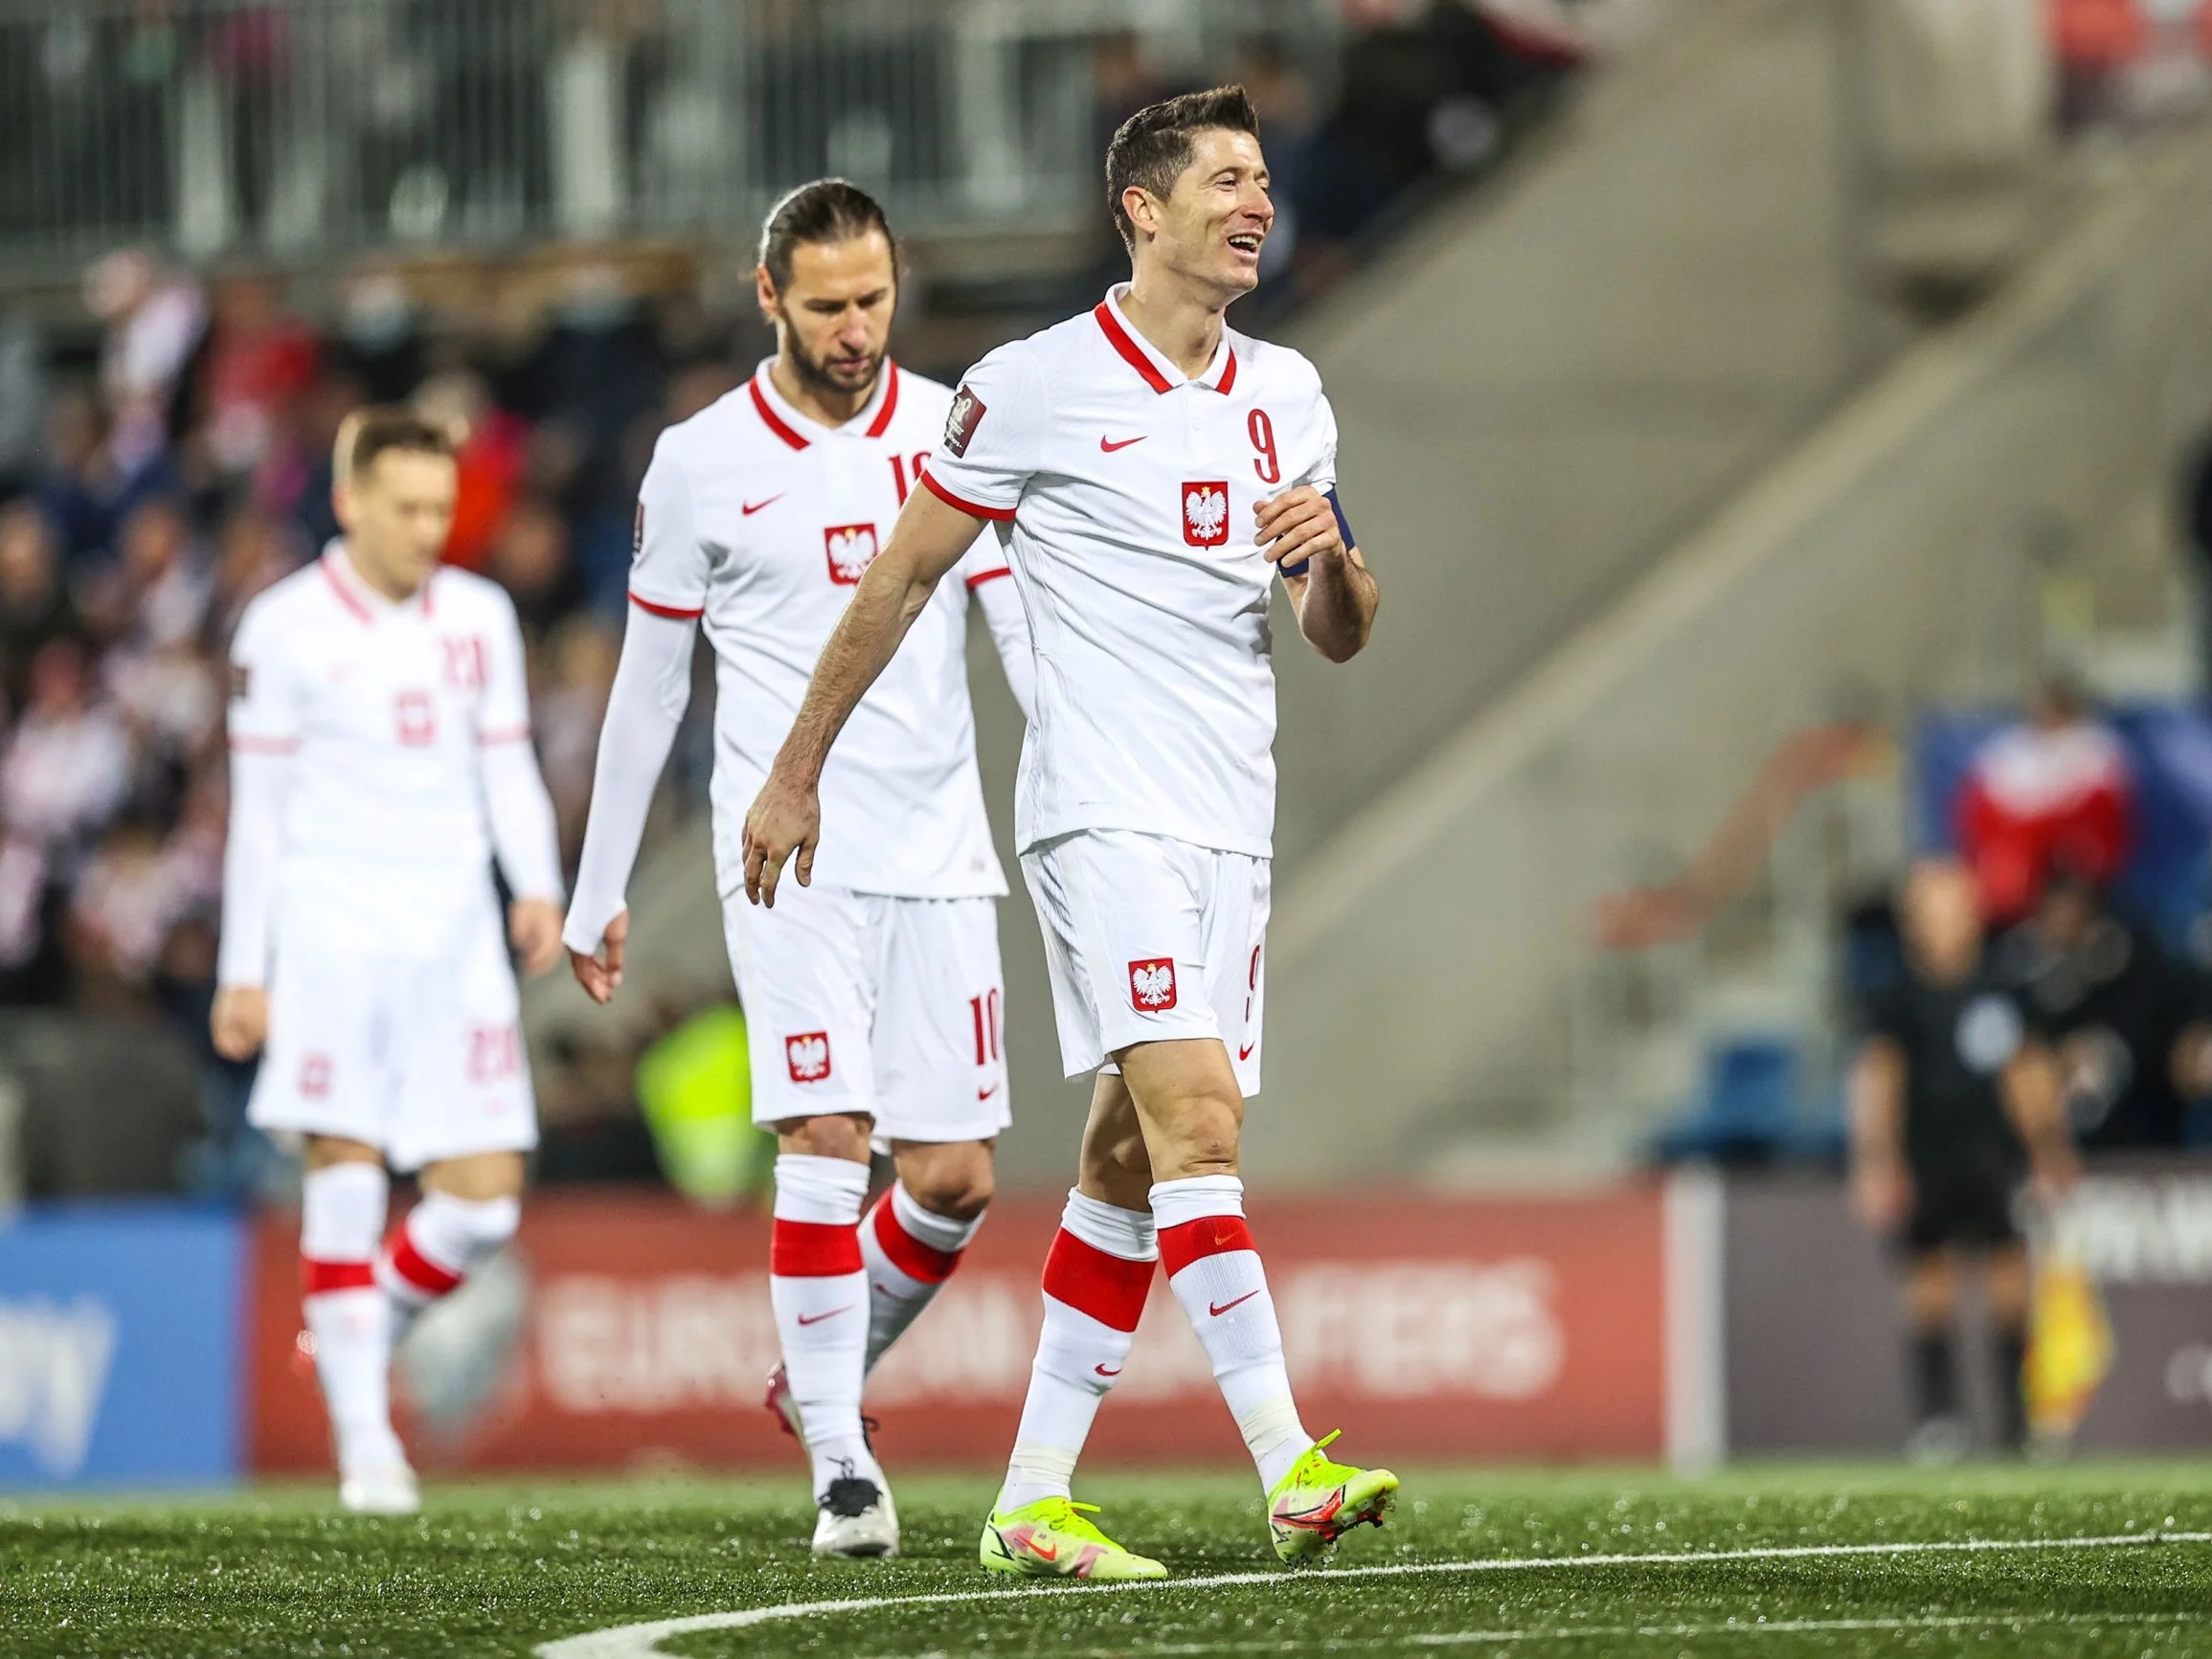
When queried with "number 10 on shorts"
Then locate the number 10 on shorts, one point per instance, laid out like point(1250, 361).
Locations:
point(989, 1015)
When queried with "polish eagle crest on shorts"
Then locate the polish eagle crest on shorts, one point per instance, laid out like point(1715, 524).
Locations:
point(851, 550)
point(807, 1055)
point(1152, 985)
point(1206, 513)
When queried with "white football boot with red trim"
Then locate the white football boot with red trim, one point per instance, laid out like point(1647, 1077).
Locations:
point(1319, 1501)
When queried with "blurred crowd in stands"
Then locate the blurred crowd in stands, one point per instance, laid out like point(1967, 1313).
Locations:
point(184, 468)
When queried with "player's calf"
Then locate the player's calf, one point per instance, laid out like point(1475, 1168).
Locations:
point(444, 1240)
point(913, 1238)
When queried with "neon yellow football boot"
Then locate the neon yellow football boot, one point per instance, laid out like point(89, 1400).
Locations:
point(1319, 1501)
point(1055, 1538)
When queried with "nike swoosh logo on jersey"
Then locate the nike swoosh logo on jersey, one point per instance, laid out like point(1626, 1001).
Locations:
point(1103, 1372)
point(818, 1318)
point(1217, 1311)
point(1109, 445)
point(749, 508)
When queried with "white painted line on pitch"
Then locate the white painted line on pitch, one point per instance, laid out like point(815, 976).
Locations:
point(641, 1641)
point(1616, 1632)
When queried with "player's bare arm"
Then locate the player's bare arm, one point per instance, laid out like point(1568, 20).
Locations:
point(1334, 594)
point(1880, 1186)
point(786, 818)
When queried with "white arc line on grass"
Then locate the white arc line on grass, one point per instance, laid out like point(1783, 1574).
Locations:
point(643, 1641)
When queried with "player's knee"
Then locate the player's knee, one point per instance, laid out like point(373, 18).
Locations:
point(954, 1180)
point(838, 1135)
point(1199, 1131)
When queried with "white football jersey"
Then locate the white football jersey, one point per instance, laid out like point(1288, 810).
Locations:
point(383, 708)
point(762, 520)
point(1124, 495)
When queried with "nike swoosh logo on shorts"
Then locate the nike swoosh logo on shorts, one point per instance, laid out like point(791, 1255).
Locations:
point(1103, 1372)
point(1218, 1312)
point(818, 1318)
point(1245, 1052)
point(1109, 446)
point(986, 1093)
point(749, 508)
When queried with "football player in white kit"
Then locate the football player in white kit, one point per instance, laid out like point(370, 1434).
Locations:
point(380, 759)
point(874, 1001)
point(1149, 472)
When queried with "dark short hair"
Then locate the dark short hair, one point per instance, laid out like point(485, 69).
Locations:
point(826, 211)
point(1154, 145)
point(383, 429)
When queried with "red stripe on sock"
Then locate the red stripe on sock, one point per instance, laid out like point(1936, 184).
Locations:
point(908, 1254)
point(1208, 1236)
point(1110, 1288)
point(813, 1249)
point(320, 1278)
point(420, 1272)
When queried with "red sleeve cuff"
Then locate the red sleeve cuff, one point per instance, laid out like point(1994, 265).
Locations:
point(681, 613)
point(973, 509)
point(981, 576)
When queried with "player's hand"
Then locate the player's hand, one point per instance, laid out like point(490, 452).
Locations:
point(602, 972)
point(1298, 524)
point(1881, 1193)
point(786, 818)
point(239, 1023)
point(533, 927)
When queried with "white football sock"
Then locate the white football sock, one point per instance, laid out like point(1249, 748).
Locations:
point(910, 1252)
point(1215, 1273)
point(441, 1242)
point(820, 1290)
point(341, 1214)
point(1095, 1280)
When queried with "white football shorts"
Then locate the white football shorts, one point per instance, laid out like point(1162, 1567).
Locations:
point(890, 1007)
point(1149, 939)
point(418, 1055)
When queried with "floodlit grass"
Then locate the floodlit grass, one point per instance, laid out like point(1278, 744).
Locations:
point(500, 1569)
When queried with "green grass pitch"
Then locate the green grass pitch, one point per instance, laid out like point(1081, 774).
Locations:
point(499, 1571)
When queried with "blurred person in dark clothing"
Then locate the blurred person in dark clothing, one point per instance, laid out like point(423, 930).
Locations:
point(34, 606)
point(532, 561)
point(81, 487)
point(2126, 1020)
point(1955, 1103)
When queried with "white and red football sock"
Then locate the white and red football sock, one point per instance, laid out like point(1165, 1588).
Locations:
point(441, 1242)
point(341, 1214)
point(1096, 1279)
point(1215, 1273)
point(819, 1285)
point(909, 1252)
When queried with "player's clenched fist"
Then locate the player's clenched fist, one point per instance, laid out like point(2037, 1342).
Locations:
point(1298, 524)
point(600, 972)
point(240, 1022)
point(786, 818)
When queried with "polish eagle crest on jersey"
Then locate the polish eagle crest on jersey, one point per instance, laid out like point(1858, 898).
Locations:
point(1206, 513)
point(808, 1056)
point(851, 550)
point(1152, 985)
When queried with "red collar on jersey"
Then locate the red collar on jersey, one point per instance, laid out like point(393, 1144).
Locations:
point(796, 439)
point(342, 585)
point(1140, 360)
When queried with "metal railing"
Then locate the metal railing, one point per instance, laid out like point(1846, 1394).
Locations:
point(289, 126)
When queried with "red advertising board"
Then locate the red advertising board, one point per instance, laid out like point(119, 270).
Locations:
point(631, 1331)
